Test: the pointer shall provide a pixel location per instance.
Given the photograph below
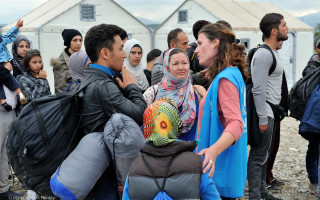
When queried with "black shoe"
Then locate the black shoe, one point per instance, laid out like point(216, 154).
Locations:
point(10, 195)
point(7, 106)
point(269, 196)
point(273, 187)
point(277, 182)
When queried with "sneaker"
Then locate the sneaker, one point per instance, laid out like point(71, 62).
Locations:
point(7, 106)
point(277, 182)
point(22, 98)
point(269, 196)
point(313, 189)
point(272, 187)
point(10, 195)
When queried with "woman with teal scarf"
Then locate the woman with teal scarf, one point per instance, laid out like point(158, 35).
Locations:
point(222, 125)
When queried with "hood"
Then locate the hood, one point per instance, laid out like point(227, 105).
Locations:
point(170, 149)
point(92, 74)
point(55, 63)
point(314, 60)
point(58, 62)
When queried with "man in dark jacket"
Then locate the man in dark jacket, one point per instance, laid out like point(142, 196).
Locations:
point(102, 97)
point(314, 61)
point(312, 156)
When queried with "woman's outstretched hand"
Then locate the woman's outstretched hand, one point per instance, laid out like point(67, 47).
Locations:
point(210, 156)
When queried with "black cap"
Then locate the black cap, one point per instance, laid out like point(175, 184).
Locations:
point(68, 34)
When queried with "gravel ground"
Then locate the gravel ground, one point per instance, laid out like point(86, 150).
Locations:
point(289, 165)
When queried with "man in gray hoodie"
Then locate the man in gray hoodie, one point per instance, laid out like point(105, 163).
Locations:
point(265, 88)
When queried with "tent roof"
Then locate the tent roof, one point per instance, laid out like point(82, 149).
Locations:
point(247, 15)
point(47, 12)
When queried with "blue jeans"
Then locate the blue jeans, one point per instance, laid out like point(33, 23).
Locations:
point(104, 189)
point(11, 83)
point(319, 171)
point(312, 160)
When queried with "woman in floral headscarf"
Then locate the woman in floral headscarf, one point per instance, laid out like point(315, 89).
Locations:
point(176, 85)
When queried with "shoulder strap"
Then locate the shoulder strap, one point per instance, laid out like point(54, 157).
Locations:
point(274, 63)
point(152, 174)
point(80, 118)
point(192, 57)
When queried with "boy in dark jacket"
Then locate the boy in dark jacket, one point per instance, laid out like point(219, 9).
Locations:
point(102, 97)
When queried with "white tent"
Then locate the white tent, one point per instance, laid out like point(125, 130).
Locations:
point(43, 25)
point(244, 18)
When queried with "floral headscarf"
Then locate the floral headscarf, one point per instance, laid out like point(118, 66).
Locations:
point(181, 92)
point(161, 122)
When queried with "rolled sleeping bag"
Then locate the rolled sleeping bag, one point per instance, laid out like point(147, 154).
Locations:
point(128, 140)
point(80, 171)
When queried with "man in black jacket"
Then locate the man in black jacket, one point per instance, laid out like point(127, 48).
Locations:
point(102, 97)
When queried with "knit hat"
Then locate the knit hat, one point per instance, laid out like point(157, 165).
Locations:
point(161, 122)
point(317, 41)
point(76, 64)
point(68, 34)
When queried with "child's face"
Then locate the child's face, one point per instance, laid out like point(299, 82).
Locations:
point(35, 64)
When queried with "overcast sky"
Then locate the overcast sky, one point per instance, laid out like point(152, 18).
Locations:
point(155, 10)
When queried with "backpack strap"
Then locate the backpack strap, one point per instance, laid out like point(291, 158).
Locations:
point(192, 56)
point(152, 174)
point(274, 62)
point(77, 90)
point(69, 85)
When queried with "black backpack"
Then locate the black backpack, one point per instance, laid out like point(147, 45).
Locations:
point(301, 92)
point(253, 130)
point(42, 135)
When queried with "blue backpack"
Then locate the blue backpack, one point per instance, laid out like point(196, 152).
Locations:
point(310, 122)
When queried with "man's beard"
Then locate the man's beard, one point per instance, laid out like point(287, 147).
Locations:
point(281, 37)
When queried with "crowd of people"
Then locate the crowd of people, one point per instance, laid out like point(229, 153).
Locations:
point(190, 101)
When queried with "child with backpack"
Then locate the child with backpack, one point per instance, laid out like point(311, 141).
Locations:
point(7, 78)
point(167, 168)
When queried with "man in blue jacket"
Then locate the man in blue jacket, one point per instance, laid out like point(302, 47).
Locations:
point(102, 97)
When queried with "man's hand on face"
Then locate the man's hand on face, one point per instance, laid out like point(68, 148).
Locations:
point(127, 78)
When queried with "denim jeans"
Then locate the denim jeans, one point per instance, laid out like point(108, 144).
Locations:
point(312, 160)
point(104, 190)
point(11, 83)
point(319, 171)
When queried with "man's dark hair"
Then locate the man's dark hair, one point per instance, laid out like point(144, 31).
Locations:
point(172, 36)
point(224, 23)
point(268, 22)
point(153, 54)
point(197, 26)
point(124, 34)
point(98, 37)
